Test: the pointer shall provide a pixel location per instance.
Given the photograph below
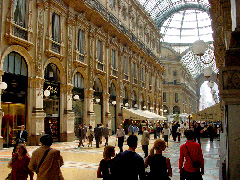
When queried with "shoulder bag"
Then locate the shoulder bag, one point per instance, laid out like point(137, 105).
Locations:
point(44, 156)
point(196, 164)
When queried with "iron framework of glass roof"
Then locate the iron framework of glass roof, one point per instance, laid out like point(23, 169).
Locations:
point(181, 23)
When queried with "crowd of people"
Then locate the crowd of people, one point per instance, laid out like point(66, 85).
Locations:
point(128, 164)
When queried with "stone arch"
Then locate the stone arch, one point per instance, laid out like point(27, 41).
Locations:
point(24, 53)
point(103, 82)
point(115, 84)
point(58, 63)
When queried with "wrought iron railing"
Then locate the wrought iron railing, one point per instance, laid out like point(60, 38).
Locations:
point(20, 32)
point(56, 47)
point(100, 66)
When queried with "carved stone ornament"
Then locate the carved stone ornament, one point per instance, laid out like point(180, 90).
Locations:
point(230, 84)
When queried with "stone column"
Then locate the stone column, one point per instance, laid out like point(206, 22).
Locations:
point(106, 114)
point(67, 122)
point(230, 96)
point(119, 115)
point(88, 95)
point(35, 123)
point(1, 112)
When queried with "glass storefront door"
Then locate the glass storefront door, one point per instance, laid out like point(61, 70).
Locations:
point(13, 118)
point(52, 120)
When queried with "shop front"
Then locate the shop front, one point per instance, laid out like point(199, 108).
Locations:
point(13, 98)
point(51, 104)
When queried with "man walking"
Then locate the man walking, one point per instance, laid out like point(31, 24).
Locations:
point(194, 163)
point(129, 164)
point(46, 161)
point(98, 135)
point(80, 135)
point(106, 134)
point(22, 134)
point(145, 141)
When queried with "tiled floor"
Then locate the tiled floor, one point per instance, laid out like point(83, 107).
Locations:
point(82, 163)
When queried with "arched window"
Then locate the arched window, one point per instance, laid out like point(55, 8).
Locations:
point(14, 63)
point(176, 110)
point(78, 80)
point(52, 73)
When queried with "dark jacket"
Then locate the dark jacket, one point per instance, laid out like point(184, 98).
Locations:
point(24, 135)
point(97, 132)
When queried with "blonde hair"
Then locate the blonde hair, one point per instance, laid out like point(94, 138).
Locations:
point(159, 144)
point(108, 151)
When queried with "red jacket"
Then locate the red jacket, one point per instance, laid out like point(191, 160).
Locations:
point(196, 154)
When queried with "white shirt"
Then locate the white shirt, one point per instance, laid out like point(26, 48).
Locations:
point(21, 134)
point(166, 131)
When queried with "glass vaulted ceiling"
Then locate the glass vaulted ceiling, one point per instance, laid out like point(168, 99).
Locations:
point(181, 23)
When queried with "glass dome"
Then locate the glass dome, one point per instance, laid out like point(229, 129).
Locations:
point(186, 27)
point(181, 21)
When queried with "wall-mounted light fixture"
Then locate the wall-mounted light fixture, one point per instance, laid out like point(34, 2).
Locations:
point(3, 85)
point(144, 107)
point(98, 100)
point(76, 97)
point(114, 103)
point(126, 104)
point(46, 93)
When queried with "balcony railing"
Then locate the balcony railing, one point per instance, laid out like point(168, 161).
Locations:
point(100, 66)
point(56, 47)
point(21, 32)
point(114, 72)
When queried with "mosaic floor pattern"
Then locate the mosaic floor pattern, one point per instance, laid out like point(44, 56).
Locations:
point(82, 163)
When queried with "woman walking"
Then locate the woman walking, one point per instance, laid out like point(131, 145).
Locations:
point(19, 164)
point(90, 135)
point(160, 166)
point(166, 133)
point(120, 135)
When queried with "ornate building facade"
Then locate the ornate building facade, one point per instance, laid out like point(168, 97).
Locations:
point(105, 52)
point(179, 87)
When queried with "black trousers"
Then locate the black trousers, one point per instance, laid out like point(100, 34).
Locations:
point(106, 142)
point(97, 142)
point(191, 175)
point(145, 150)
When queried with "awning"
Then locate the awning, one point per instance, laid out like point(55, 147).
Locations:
point(138, 114)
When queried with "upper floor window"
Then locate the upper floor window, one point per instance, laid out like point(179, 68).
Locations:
point(124, 12)
point(174, 73)
point(99, 51)
point(112, 3)
point(164, 97)
point(149, 78)
point(114, 65)
point(176, 97)
point(56, 27)
point(81, 41)
point(125, 65)
point(142, 74)
point(134, 70)
point(20, 13)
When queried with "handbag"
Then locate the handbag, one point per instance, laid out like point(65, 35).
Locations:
point(196, 164)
